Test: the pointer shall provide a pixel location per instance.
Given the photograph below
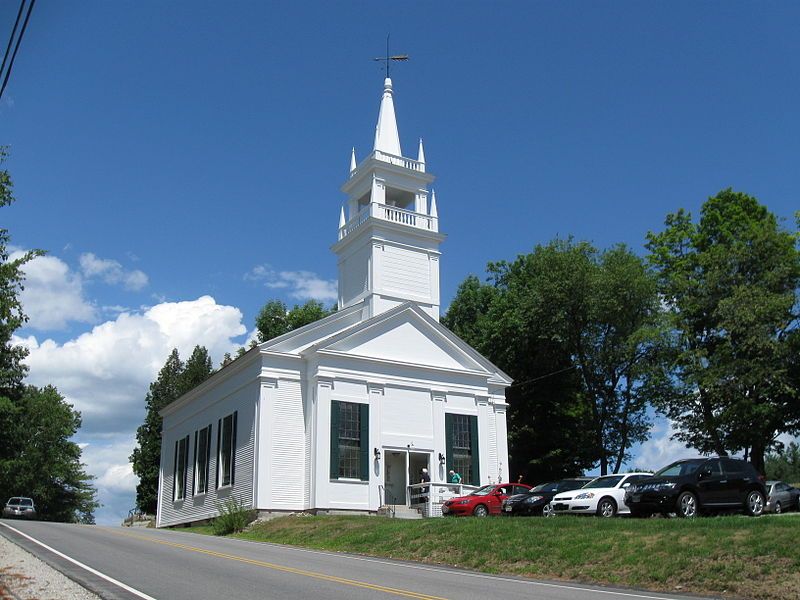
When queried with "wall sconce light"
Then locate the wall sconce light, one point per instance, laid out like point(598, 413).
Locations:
point(376, 453)
point(441, 458)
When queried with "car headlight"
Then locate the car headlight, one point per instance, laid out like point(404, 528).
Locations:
point(656, 487)
point(463, 501)
point(533, 499)
point(584, 496)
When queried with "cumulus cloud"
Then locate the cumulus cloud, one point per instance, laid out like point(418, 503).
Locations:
point(104, 373)
point(660, 450)
point(303, 285)
point(111, 272)
point(53, 294)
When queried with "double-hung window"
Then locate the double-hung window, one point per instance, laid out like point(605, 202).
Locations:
point(461, 439)
point(202, 454)
point(226, 450)
point(349, 440)
point(179, 469)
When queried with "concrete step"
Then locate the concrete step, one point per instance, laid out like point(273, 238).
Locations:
point(400, 512)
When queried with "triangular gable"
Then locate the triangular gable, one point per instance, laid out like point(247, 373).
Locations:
point(406, 334)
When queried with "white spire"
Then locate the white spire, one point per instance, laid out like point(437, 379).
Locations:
point(421, 154)
point(341, 217)
point(353, 160)
point(434, 212)
point(387, 139)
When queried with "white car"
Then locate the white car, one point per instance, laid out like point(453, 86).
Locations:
point(604, 496)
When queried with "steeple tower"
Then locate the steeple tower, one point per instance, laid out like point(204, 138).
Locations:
point(388, 245)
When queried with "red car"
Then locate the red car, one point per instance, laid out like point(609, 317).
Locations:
point(487, 500)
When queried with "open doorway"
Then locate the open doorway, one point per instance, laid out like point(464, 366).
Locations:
point(394, 474)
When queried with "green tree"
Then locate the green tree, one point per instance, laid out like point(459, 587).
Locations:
point(579, 332)
point(197, 369)
point(46, 464)
point(274, 319)
point(730, 284)
point(784, 464)
point(146, 457)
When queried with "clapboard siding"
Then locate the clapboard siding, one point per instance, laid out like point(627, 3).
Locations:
point(406, 272)
point(178, 425)
point(493, 465)
point(288, 444)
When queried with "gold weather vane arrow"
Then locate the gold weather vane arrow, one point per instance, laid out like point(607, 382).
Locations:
point(389, 58)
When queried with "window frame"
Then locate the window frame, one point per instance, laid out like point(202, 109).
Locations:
point(226, 477)
point(179, 469)
point(361, 471)
point(454, 453)
point(204, 455)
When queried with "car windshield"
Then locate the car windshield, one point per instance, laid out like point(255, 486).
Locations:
point(21, 502)
point(679, 468)
point(609, 481)
point(484, 491)
point(546, 487)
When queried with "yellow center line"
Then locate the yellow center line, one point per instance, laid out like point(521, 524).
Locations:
point(294, 571)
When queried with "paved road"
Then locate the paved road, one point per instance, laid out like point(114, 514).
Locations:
point(174, 565)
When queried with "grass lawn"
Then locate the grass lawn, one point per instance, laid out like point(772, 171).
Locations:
point(733, 556)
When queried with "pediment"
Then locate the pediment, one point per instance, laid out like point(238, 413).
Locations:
point(406, 337)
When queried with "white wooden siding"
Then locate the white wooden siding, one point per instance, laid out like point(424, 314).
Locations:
point(288, 441)
point(181, 424)
point(406, 272)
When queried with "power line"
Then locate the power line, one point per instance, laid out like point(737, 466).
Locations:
point(16, 47)
point(527, 381)
point(11, 39)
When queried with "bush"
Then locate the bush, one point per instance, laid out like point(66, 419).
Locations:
point(233, 517)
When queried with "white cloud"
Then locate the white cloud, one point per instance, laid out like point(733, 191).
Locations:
point(53, 294)
point(105, 373)
point(303, 285)
point(660, 450)
point(111, 272)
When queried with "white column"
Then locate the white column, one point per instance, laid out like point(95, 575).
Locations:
point(483, 437)
point(322, 448)
point(262, 480)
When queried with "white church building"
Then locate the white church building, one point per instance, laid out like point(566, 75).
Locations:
point(342, 414)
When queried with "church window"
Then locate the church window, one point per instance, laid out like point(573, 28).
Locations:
point(461, 438)
point(202, 453)
point(349, 440)
point(179, 469)
point(226, 445)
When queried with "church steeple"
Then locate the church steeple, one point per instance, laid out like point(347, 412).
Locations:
point(387, 138)
point(388, 244)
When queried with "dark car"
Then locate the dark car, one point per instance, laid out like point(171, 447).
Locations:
point(20, 508)
point(781, 497)
point(690, 487)
point(483, 501)
point(537, 500)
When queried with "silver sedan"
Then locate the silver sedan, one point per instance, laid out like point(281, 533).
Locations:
point(782, 497)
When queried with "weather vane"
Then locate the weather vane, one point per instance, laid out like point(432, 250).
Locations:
point(388, 59)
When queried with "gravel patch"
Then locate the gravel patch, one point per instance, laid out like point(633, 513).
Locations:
point(25, 577)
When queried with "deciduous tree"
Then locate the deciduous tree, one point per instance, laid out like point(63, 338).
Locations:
point(730, 284)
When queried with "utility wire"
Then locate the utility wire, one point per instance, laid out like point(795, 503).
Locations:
point(11, 39)
point(16, 47)
point(527, 381)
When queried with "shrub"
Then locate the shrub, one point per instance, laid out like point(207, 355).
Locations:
point(233, 517)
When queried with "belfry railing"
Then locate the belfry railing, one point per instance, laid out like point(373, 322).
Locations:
point(386, 212)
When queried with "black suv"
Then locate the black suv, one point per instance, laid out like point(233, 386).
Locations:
point(688, 487)
point(537, 500)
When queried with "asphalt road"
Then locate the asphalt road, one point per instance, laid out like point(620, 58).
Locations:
point(123, 564)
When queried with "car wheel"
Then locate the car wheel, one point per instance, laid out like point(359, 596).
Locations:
point(480, 511)
point(547, 510)
point(755, 503)
point(606, 508)
point(687, 505)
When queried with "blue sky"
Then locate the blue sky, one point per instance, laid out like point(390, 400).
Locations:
point(181, 161)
